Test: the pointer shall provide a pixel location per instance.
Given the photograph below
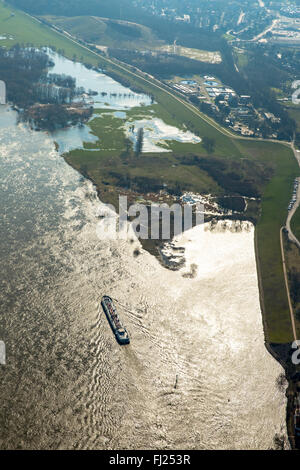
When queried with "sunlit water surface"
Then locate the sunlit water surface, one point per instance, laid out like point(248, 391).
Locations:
point(67, 383)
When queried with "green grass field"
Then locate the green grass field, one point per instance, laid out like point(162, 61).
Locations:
point(25, 30)
point(163, 167)
point(100, 164)
point(294, 112)
point(241, 58)
point(106, 32)
point(275, 200)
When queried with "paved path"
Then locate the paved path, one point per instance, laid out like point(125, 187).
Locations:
point(267, 30)
point(155, 82)
point(294, 239)
point(287, 286)
point(291, 213)
point(161, 86)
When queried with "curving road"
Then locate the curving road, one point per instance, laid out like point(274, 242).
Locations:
point(162, 87)
point(159, 85)
point(294, 239)
point(287, 286)
point(291, 213)
point(267, 30)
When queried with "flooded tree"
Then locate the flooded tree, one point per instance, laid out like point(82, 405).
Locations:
point(208, 144)
point(140, 141)
point(45, 101)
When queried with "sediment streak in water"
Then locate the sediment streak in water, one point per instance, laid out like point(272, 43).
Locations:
point(67, 383)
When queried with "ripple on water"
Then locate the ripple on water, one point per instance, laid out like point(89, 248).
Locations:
point(67, 383)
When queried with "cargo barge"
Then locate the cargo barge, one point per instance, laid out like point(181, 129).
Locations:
point(110, 311)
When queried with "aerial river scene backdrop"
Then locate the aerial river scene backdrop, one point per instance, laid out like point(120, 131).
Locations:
point(196, 374)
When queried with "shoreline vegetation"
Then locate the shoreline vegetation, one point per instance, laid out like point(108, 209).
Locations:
point(43, 100)
point(268, 168)
point(276, 159)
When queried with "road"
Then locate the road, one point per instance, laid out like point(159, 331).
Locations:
point(294, 239)
point(291, 213)
point(159, 85)
point(270, 28)
point(287, 286)
point(162, 87)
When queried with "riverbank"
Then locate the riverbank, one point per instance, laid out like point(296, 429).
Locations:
point(273, 160)
point(108, 193)
point(78, 388)
point(44, 100)
point(178, 255)
point(275, 329)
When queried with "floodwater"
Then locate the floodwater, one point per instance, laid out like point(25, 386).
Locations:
point(110, 94)
point(67, 383)
point(72, 138)
point(156, 132)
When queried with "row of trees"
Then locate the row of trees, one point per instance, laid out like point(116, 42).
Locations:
point(54, 116)
point(21, 69)
point(236, 177)
point(25, 72)
point(139, 141)
point(47, 93)
point(258, 77)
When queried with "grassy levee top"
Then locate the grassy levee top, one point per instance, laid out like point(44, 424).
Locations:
point(278, 159)
point(295, 223)
point(276, 197)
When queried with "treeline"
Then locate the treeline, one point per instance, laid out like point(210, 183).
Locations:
point(25, 72)
point(140, 184)
point(128, 84)
point(185, 34)
point(57, 89)
point(243, 178)
point(21, 69)
point(258, 79)
point(54, 116)
point(42, 99)
point(139, 141)
point(62, 80)
point(236, 204)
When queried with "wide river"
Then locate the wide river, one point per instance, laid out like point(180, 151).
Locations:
point(67, 383)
